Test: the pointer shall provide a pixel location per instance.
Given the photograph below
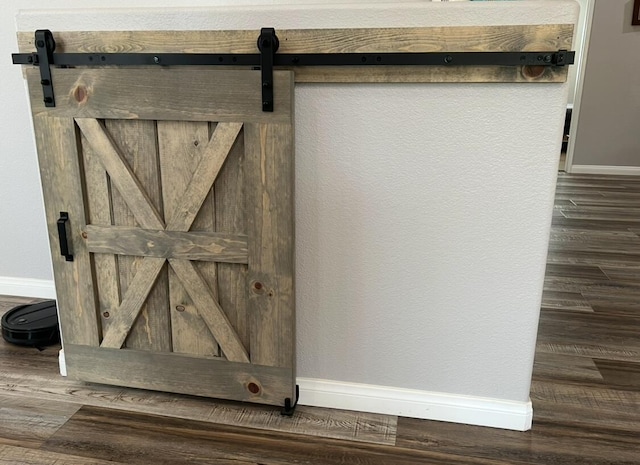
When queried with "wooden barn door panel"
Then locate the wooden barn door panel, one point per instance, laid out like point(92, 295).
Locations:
point(182, 228)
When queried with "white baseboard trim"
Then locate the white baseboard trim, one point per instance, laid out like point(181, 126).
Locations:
point(26, 287)
point(495, 413)
point(612, 170)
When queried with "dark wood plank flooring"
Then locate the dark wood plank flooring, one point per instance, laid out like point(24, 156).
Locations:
point(585, 391)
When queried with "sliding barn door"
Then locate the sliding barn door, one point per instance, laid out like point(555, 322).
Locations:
point(172, 193)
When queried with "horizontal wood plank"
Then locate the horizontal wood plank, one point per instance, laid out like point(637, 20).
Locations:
point(173, 373)
point(509, 38)
point(196, 245)
point(186, 94)
point(506, 38)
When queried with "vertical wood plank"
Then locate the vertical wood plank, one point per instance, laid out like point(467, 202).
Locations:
point(232, 278)
point(56, 140)
point(270, 228)
point(181, 146)
point(205, 174)
point(210, 311)
point(137, 140)
point(137, 293)
point(99, 211)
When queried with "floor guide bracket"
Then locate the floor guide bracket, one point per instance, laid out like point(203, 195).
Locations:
point(290, 408)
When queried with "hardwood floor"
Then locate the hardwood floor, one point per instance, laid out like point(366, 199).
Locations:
point(585, 391)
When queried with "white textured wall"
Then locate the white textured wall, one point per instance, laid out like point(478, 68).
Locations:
point(422, 211)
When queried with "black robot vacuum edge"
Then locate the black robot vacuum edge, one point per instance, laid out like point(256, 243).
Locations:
point(32, 325)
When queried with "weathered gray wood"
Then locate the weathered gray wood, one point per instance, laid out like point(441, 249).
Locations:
point(510, 38)
point(176, 373)
point(205, 220)
point(204, 176)
point(210, 310)
point(269, 170)
point(230, 218)
point(131, 305)
point(61, 184)
point(100, 209)
point(149, 187)
point(134, 94)
point(193, 245)
point(181, 145)
point(121, 174)
point(137, 142)
point(433, 74)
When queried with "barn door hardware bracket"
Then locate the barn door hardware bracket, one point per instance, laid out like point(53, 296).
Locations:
point(267, 59)
point(45, 45)
point(268, 45)
point(289, 407)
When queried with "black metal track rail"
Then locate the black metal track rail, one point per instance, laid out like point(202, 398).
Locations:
point(267, 59)
point(304, 59)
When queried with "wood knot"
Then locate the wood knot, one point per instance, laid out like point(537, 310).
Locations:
point(253, 388)
point(533, 72)
point(80, 94)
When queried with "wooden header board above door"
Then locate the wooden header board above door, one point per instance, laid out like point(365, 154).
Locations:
point(379, 40)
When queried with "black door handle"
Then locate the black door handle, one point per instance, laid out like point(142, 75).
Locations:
point(62, 235)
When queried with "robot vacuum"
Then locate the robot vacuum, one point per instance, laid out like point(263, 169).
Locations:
point(33, 325)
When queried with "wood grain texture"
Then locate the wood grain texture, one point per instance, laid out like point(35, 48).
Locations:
point(122, 176)
point(131, 305)
point(269, 170)
point(561, 367)
point(548, 443)
point(133, 94)
point(56, 141)
point(622, 374)
point(12, 455)
point(210, 311)
point(205, 174)
point(137, 141)
point(29, 422)
point(138, 160)
point(172, 372)
point(100, 210)
point(141, 439)
point(353, 40)
point(426, 74)
point(372, 40)
point(230, 218)
point(181, 146)
point(204, 246)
